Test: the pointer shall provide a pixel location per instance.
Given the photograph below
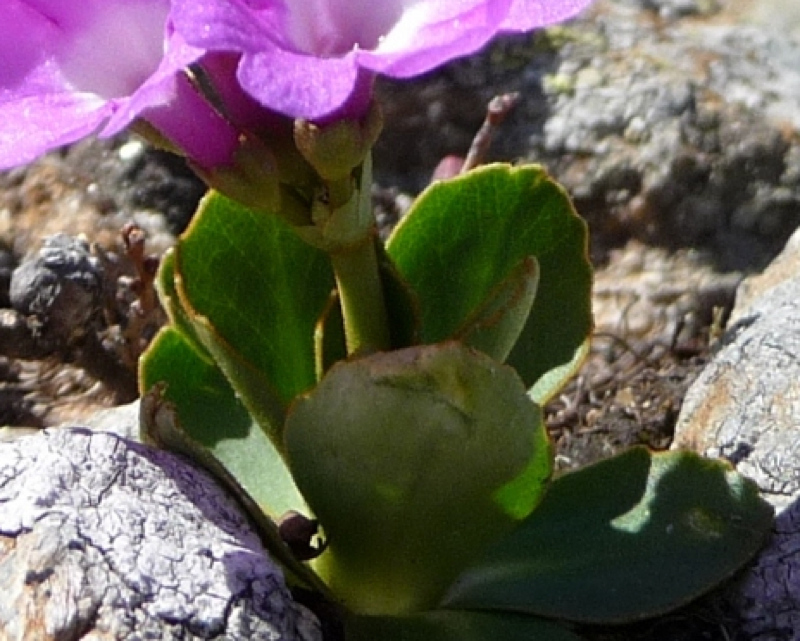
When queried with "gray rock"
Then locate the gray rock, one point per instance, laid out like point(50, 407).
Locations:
point(676, 8)
point(745, 407)
point(68, 303)
point(61, 285)
point(101, 538)
point(766, 599)
point(678, 133)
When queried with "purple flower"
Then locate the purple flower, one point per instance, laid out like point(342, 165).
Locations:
point(71, 68)
point(315, 59)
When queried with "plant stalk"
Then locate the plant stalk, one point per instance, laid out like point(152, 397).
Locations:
point(366, 321)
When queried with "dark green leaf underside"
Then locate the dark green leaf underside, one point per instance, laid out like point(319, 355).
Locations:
point(627, 538)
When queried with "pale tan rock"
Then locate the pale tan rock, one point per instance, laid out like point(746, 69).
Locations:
point(745, 406)
point(647, 293)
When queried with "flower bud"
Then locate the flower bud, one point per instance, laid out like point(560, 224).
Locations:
point(251, 178)
point(335, 149)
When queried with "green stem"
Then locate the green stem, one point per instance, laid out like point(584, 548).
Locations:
point(366, 322)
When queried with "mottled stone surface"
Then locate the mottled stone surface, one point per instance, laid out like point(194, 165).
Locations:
point(766, 600)
point(61, 285)
point(648, 293)
point(745, 406)
point(102, 538)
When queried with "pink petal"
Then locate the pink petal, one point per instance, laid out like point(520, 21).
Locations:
point(33, 125)
point(158, 88)
point(67, 68)
point(526, 15)
point(442, 32)
point(298, 85)
point(38, 110)
point(307, 59)
point(225, 25)
point(192, 125)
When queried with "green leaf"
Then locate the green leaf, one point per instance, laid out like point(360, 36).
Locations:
point(414, 461)
point(464, 236)
point(628, 538)
point(170, 301)
point(495, 326)
point(253, 292)
point(197, 331)
point(252, 386)
point(456, 625)
point(550, 383)
point(161, 426)
point(215, 420)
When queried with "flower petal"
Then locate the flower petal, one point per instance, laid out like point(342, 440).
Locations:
point(526, 15)
point(192, 125)
point(38, 110)
point(43, 122)
point(66, 68)
point(225, 25)
point(283, 77)
point(299, 85)
point(158, 88)
point(432, 33)
point(306, 58)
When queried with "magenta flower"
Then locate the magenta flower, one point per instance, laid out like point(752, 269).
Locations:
point(68, 69)
point(316, 58)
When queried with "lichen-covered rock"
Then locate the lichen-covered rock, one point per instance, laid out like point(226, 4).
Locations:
point(102, 538)
point(745, 407)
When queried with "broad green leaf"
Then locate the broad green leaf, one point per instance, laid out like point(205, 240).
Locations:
point(162, 427)
point(495, 326)
point(212, 416)
point(165, 285)
point(456, 625)
point(464, 236)
point(414, 461)
point(252, 386)
point(631, 537)
point(170, 300)
point(550, 383)
point(254, 292)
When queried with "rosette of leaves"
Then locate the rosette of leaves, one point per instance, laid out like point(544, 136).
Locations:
point(428, 467)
